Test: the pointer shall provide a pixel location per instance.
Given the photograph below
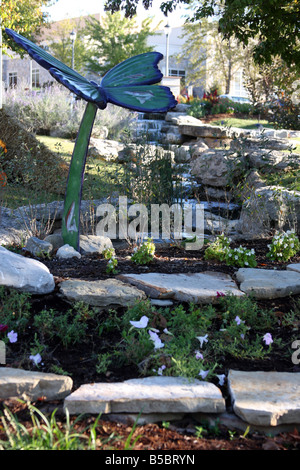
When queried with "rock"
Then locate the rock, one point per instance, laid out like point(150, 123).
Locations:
point(148, 395)
point(274, 159)
point(67, 252)
point(198, 129)
point(265, 398)
point(268, 283)
point(254, 143)
point(196, 287)
point(269, 207)
point(215, 167)
point(293, 267)
point(38, 247)
point(94, 243)
point(56, 240)
point(30, 385)
point(106, 150)
point(100, 293)
point(24, 273)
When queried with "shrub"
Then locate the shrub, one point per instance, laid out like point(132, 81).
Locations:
point(53, 110)
point(283, 246)
point(284, 114)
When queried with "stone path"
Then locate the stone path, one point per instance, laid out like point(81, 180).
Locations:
point(268, 402)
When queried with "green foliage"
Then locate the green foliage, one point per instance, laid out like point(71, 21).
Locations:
point(284, 246)
point(14, 309)
point(240, 257)
point(144, 253)
point(69, 327)
point(115, 39)
point(112, 263)
point(25, 17)
point(284, 113)
point(218, 249)
point(45, 433)
point(275, 23)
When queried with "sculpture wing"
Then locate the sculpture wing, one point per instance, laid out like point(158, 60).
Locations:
point(131, 84)
point(61, 72)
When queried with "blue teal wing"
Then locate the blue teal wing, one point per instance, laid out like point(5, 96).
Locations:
point(141, 69)
point(61, 72)
point(142, 98)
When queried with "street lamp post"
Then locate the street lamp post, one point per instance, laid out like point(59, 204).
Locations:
point(167, 29)
point(73, 37)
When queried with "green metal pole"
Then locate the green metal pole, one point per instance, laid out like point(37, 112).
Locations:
point(71, 214)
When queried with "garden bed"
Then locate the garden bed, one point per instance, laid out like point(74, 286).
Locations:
point(80, 358)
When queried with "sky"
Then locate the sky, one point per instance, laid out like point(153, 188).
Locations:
point(63, 9)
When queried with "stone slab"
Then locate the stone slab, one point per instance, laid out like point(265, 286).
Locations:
point(30, 385)
point(191, 287)
point(25, 274)
point(100, 293)
point(293, 267)
point(268, 283)
point(265, 398)
point(149, 395)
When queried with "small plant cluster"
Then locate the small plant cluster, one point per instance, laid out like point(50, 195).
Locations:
point(221, 251)
point(145, 253)
point(112, 263)
point(284, 246)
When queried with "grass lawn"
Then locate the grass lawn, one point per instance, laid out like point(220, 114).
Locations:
point(241, 123)
point(100, 179)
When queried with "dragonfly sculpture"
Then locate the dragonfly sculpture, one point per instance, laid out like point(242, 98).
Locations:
point(132, 84)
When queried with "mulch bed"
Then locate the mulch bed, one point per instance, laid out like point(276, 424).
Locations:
point(179, 436)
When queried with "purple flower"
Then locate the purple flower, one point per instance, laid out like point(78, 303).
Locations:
point(268, 339)
point(12, 336)
point(198, 355)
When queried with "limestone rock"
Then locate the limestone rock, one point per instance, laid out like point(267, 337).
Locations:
point(24, 273)
point(268, 283)
point(195, 287)
point(67, 252)
point(38, 247)
point(30, 385)
point(293, 267)
point(55, 239)
point(269, 207)
point(148, 395)
point(94, 243)
point(215, 167)
point(100, 293)
point(106, 150)
point(265, 398)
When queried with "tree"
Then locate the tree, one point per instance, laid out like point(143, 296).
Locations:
point(24, 16)
point(115, 39)
point(209, 54)
point(62, 46)
point(276, 23)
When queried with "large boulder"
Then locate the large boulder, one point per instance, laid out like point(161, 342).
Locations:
point(269, 208)
point(216, 167)
point(24, 274)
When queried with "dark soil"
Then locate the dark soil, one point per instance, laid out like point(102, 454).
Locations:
point(77, 361)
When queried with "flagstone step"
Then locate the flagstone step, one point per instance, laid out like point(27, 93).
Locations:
point(148, 395)
point(192, 287)
point(265, 398)
point(268, 283)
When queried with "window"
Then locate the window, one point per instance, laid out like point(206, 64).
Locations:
point(177, 73)
point(12, 79)
point(35, 79)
